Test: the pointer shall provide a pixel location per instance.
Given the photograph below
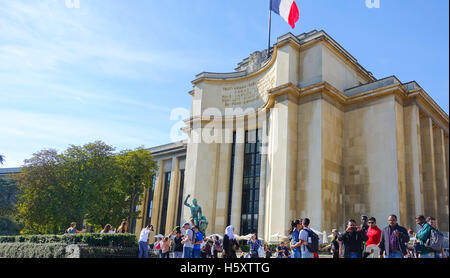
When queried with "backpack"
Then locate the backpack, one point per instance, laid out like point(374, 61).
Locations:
point(435, 241)
point(313, 246)
point(193, 237)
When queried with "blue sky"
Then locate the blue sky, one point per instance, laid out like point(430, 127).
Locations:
point(113, 70)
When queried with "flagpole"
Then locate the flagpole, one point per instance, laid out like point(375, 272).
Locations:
point(270, 27)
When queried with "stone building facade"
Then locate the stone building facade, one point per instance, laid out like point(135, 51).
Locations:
point(307, 132)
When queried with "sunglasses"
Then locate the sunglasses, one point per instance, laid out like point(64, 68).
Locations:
point(371, 222)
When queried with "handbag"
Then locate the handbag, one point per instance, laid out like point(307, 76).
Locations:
point(261, 252)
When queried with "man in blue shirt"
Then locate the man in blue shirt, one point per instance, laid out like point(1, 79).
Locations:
point(305, 240)
point(255, 244)
point(198, 239)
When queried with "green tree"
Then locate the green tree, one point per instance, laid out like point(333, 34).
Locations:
point(90, 175)
point(42, 203)
point(8, 196)
point(137, 169)
point(2, 159)
point(8, 227)
point(85, 184)
point(8, 201)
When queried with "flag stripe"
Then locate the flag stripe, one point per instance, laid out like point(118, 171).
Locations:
point(294, 15)
point(275, 6)
point(287, 9)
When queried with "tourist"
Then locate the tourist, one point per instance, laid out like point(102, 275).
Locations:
point(255, 244)
point(202, 246)
point(217, 247)
point(178, 245)
point(364, 223)
point(206, 249)
point(107, 230)
point(198, 239)
point(282, 251)
point(230, 245)
point(421, 238)
point(432, 221)
point(73, 229)
point(143, 241)
point(267, 251)
point(187, 241)
point(374, 235)
point(308, 240)
point(410, 245)
point(295, 232)
point(158, 247)
point(289, 251)
point(123, 227)
point(364, 227)
point(334, 245)
point(393, 240)
point(165, 248)
point(351, 241)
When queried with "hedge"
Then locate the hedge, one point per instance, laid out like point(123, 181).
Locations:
point(32, 250)
point(61, 250)
point(105, 252)
point(105, 240)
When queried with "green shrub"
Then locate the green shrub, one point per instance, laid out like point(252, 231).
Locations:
point(106, 240)
point(105, 252)
point(7, 239)
point(245, 248)
point(273, 247)
point(58, 250)
point(8, 226)
point(32, 250)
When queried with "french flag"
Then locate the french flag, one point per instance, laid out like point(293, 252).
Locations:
point(287, 9)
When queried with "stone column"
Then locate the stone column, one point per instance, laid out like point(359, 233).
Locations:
point(428, 164)
point(157, 202)
point(441, 178)
point(172, 203)
point(223, 183)
point(447, 158)
point(413, 163)
point(263, 181)
point(236, 201)
point(283, 164)
point(157, 197)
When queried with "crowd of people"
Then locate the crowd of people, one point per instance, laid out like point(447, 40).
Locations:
point(108, 229)
point(366, 240)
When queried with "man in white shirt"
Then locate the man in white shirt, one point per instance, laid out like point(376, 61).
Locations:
point(187, 241)
point(143, 241)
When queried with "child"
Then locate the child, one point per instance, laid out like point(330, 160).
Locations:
point(282, 251)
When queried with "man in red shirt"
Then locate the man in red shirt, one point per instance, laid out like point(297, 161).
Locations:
point(374, 235)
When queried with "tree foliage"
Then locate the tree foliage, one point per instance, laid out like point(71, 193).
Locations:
point(8, 196)
point(86, 184)
point(137, 169)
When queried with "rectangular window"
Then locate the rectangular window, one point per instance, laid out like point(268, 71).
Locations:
point(162, 226)
point(150, 202)
point(251, 184)
point(180, 198)
point(230, 191)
